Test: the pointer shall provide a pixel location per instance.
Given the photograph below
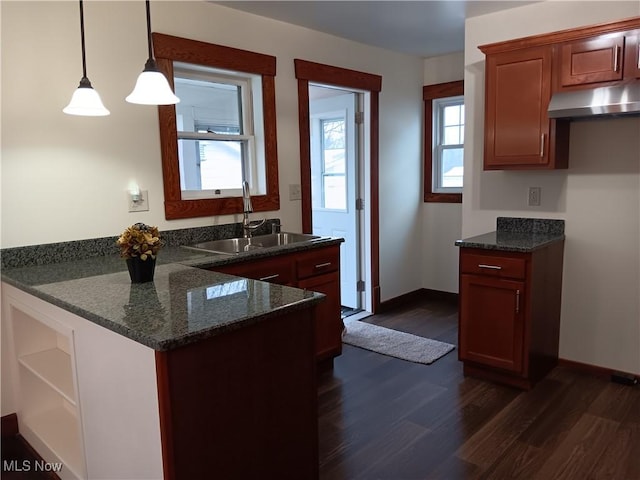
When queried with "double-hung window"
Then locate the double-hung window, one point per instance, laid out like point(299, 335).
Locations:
point(444, 142)
point(218, 131)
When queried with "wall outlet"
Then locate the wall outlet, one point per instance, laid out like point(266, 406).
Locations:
point(294, 192)
point(534, 197)
point(140, 204)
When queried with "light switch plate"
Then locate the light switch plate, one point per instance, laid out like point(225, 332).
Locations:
point(534, 196)
point(294, 192)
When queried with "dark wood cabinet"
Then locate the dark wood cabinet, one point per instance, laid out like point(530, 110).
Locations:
point(522, 74)
point(593, 60)
point(518, 132)
point(632, 56)
point(509, 316)
point(317, 270)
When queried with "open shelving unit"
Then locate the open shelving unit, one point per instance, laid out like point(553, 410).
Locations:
point(49, 416)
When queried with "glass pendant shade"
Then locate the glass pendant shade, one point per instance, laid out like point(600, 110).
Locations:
point(86, 102)
point(152, 87)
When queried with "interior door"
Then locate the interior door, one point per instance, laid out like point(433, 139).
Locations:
point(334, 185)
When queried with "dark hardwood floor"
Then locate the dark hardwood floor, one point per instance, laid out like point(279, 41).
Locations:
point(384, 418)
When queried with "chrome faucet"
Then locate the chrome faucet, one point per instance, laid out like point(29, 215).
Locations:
point(247, 208)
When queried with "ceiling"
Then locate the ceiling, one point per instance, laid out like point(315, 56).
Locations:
point(425, 28)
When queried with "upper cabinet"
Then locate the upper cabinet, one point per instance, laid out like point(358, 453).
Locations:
point(593, 60)
point(521, 76)
point(518, 133)
point(632, 56)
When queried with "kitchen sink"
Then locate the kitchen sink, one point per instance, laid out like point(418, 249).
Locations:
point(233, 246)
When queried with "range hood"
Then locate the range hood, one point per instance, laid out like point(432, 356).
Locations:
point(615, 100)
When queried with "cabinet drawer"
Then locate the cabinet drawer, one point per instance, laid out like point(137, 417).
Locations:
point(511, 267)
point(318, 262)
point(275, 270)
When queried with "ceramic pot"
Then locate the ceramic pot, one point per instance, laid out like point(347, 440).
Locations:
point(141, 271)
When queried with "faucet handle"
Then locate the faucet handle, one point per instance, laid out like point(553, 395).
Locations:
point(275, 227)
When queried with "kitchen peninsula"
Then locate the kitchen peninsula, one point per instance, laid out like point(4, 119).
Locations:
point(197, 373)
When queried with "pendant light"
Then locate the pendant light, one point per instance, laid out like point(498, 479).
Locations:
point(152, 87)
point(85, 100)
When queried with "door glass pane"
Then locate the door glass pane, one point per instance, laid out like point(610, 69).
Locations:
point(335, 192)
point(333, 146)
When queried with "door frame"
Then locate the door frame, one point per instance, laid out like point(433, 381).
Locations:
point(307, 72)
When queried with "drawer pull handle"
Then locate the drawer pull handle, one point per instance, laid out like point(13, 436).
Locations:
point(322, 265)
point(542, 145)
point(616, 54)
point(490, 267)
point(517, 301)
point(269, 277)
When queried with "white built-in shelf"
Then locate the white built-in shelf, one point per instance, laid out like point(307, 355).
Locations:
point(58, 430)
point(52, 366)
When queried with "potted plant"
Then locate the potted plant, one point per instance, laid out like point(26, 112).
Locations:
point(139, 244)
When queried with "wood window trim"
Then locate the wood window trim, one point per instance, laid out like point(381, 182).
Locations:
point(168, 49)
point(430, 93)
point(326, 74)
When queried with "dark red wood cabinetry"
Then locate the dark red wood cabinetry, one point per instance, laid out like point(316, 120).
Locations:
point(522, 74)
point(518, 132)
point(509, 318)
point(317, 270)
point(632, 56)
point(593, 60)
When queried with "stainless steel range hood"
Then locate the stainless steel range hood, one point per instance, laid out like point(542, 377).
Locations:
point(615, 100)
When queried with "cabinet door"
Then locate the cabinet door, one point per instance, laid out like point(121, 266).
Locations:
point(632, 56)
point(517, 128)
point(328, 321)
point(491, 326)
point(593, 60)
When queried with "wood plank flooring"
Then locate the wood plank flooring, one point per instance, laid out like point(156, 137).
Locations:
point(384, 418)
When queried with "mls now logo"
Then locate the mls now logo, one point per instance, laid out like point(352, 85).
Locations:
point(28, 466)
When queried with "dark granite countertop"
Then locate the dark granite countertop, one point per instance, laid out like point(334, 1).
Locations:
point(185, 303)
point(517, 235)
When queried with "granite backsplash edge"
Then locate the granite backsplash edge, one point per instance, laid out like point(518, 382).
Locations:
point(49, 253)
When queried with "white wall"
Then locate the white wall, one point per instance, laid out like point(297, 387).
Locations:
point(441, 222)
point(65, 178)
point(598, 196)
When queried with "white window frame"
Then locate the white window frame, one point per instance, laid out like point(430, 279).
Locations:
point(251, 137)
point(439, 105)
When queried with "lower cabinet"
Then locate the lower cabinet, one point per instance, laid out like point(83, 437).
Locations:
point(509, 316)
point(317, 270)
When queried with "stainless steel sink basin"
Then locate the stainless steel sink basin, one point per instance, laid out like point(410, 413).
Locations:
point(233, 246)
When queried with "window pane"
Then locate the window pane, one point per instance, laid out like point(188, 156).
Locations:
point(452, 115)
point(452, 167)
point(208, 106)
point(210, 164)
point(335, 192)
point(452, 136)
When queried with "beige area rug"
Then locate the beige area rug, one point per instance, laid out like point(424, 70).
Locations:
point(394, 343)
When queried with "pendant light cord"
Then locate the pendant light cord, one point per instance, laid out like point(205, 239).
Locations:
point(84, 59)
point(148, 29)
